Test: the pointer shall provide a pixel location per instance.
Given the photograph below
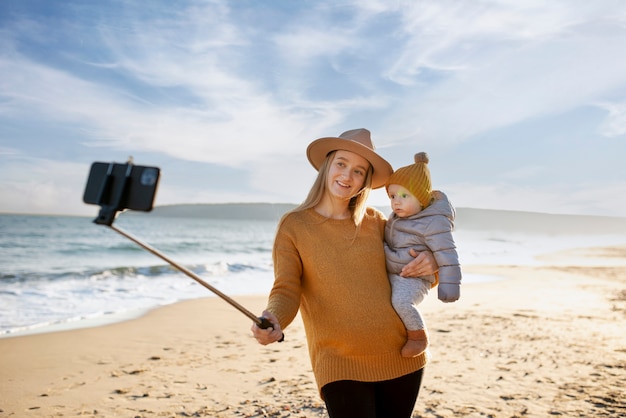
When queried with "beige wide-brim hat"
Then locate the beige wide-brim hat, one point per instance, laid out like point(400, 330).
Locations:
point(358, 141)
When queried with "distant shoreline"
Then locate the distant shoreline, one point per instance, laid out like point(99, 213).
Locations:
point(466, 218)
point(254, 211)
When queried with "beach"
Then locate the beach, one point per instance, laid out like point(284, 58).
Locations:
point(545, 340)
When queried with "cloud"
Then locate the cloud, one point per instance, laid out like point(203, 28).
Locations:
point(33, 185)
point(615, 123)
point(177, 85)
point(491, 65)
point(243, 88)
point(589, 198)
point(232, 132)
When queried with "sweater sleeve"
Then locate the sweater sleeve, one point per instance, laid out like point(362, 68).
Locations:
point(284, 299)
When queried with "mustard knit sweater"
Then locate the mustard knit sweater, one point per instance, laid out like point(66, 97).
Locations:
point(340, 285)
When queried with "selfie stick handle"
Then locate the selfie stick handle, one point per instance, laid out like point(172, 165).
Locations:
point(261, 322)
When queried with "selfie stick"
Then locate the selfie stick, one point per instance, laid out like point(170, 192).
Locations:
point(107, 216)
point(261, 322)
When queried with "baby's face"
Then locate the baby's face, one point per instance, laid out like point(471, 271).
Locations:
point(403, 202)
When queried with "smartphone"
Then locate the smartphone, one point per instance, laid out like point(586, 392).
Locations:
point(122, 186)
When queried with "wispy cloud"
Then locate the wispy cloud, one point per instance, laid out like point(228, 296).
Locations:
point(615, 123)
point(249, 85)
point(500, 63)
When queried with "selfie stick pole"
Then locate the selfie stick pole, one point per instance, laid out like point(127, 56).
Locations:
point(107, 215)
point(261, 322)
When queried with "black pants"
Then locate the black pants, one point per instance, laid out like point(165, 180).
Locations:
point(388, 399)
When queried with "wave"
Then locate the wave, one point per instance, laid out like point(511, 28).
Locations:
point(32, 301)
point(83, 272)
point(156, 270)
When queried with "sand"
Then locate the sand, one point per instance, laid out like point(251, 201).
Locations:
point(546, 340)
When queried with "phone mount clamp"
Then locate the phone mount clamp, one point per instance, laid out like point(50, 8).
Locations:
point(108, 211)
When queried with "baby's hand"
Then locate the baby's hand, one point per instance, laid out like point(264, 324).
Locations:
point(449, 292)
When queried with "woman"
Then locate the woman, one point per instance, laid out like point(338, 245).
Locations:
point(329, 263)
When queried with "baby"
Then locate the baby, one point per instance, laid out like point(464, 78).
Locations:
point(422, 219)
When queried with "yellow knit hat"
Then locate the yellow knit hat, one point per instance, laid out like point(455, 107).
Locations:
point(415, 178)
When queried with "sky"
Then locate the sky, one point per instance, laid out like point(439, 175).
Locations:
point(520, 105)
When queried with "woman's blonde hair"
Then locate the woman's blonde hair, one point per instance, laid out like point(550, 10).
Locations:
point(357, 203)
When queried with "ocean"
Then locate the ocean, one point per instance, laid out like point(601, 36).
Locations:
point(59, 272)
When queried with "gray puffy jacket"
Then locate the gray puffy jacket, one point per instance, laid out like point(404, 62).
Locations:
point(430, 229)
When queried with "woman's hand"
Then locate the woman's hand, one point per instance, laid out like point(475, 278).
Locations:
point(269, 335)
point(423, 264)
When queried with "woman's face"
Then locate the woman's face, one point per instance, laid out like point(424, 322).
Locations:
point(346, 175)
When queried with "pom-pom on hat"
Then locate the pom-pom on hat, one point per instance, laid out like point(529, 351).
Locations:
point(358, 141)
point(415, 178)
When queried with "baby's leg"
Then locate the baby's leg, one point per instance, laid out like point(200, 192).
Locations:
point(406, 295)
